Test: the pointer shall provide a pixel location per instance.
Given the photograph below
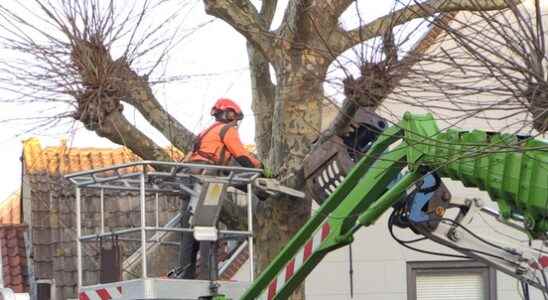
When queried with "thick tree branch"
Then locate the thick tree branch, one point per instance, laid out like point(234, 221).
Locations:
point(339, 6)
point(369, 91)
point(243, 17)
point(378, 26)
point(119, 130)
point(262, 87)
point(137, 92)
point(294, 29)
point(379, 80)
point(263, 92)
point(268, 9)
point(340, 124)
point(102, 76)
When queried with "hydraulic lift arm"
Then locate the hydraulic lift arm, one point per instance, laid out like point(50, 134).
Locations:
point(330, 227)
point(512, 170)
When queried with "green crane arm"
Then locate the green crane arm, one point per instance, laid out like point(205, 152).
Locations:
point(366, 193)
point(513, 170)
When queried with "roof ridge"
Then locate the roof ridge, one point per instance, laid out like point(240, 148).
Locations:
point(60, 160)
point(15, 193)
point(13, 225)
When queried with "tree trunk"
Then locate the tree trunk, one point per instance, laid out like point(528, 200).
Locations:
point(277, 221)
point(263, 91)
point(297, 118)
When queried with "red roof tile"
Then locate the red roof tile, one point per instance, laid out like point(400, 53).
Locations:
point(236, 264)
point(14, 258)
point(62, 160)
point(10, 209)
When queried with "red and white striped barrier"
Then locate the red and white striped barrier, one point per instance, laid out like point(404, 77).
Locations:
point(296, 263)
point(102, 294)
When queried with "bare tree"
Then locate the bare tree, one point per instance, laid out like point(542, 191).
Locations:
point(487, 65)
point(65, 56)
point(77, 62)
point(310, 39)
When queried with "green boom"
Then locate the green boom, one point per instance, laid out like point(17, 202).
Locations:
point(513, 170)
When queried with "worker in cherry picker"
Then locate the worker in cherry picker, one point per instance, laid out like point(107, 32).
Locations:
point(219, 143)
point(216, 145)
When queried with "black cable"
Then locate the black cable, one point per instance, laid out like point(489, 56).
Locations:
point(429, 252)
point(351, 271)
point(457, 248)
point(525, 289)
point(391, 230)
point(405, 243)
point(480, 239)
point(400, 211)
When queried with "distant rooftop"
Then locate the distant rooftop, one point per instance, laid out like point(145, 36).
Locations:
point(62, 160)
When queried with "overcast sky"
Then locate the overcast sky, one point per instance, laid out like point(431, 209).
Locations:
point(216, 55)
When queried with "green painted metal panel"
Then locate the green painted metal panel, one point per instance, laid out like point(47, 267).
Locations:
point(288, 252)
point(370, 190)
point(512, 170)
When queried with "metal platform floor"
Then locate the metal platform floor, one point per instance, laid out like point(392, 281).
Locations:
point(161, 288)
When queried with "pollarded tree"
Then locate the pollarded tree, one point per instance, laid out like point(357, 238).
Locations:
point(309, 39)
point(77, 65)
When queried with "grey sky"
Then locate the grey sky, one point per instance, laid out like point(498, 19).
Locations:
point(216, 55)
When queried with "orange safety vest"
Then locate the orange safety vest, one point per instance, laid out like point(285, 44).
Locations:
point(218, 144)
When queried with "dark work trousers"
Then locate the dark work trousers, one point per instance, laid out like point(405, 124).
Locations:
point(189, 248)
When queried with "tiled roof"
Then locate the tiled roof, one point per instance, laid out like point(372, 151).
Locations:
point(10, 209)
point(435, 33)
point(61, 160)
point(52, 224)
point(236, 264)
point(14, 260)
point(12, 239)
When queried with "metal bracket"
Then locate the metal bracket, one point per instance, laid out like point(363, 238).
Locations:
point(326, 167)
point(206, 233)
point(524, 262)
point(273, 186)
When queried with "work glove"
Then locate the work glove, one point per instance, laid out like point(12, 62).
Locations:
point(267, 172)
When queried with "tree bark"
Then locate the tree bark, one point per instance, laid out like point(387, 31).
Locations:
point(263, 92)
point(243, 17)
point(296, 123)
point(118, 129)
point(344, 40)
point(277, 221)
point(138, 93)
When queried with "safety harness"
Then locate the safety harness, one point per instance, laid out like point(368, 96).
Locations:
point(210, 156)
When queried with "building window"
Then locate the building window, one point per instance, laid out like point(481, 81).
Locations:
point(448, 280)
point(45, 289)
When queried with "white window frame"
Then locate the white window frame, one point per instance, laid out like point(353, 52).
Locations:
point(415, 268)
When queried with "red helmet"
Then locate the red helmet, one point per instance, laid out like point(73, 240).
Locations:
point(223, 104)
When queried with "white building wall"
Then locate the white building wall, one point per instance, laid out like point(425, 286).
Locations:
point(379, 263)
